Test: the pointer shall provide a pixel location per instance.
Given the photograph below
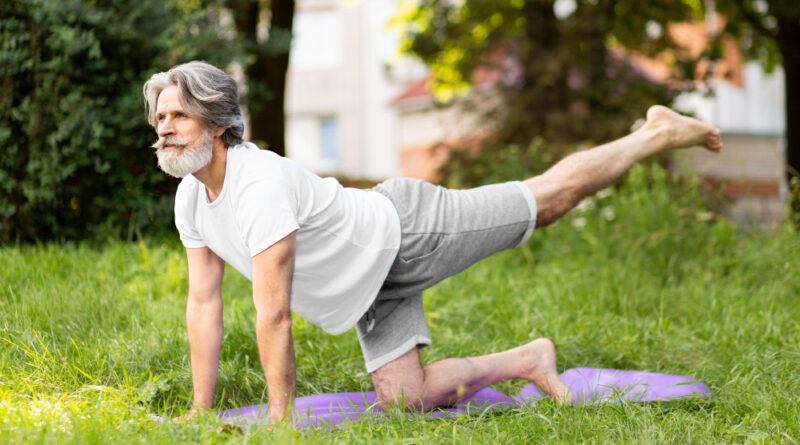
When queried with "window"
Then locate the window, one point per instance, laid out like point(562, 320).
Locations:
point(329, 135)
point(313, 141)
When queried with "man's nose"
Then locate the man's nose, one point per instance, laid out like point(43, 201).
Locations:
point(166, 127)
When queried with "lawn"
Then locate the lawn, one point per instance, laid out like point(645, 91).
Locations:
point(645, 277)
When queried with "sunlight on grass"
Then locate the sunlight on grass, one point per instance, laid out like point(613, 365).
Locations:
point(93, 344)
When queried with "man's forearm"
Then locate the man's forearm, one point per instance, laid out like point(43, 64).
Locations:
point(204, 328)
point(277, 358)
point(272, 290)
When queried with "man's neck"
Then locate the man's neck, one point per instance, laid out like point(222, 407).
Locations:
point(213, 174)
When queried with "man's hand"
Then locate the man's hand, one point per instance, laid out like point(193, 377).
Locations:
point(204, 322)
point(272, 284)
point(190, 415)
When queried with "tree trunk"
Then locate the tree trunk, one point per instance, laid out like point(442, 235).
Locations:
point(266, 77)
point(787, 39)
point(543, 89)
point(267, 119)
point(787, 42)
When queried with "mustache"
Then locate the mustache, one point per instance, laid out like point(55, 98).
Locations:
point(174, 141)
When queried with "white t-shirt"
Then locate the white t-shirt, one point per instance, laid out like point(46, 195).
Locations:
point(346, 238)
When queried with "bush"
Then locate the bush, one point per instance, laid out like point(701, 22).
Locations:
point(76, 159)
point(649, 216)
point(492, 164)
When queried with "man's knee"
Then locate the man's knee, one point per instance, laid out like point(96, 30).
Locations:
point(399, 383)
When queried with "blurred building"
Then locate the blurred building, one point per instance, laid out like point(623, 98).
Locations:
point(342, 78)
point(356, 109)
point(749, 171)
point(748, 107)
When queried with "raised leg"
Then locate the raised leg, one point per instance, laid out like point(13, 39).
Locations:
point(581, 174)
point(405, 383)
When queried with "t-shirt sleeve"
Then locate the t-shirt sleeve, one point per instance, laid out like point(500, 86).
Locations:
point(184, 219)
point(267, 212)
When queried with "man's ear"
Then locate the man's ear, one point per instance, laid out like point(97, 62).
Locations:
point(219, 132)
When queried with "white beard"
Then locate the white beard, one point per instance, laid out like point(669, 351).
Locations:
point(188, 159)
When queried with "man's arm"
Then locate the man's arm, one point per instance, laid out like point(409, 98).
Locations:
point(272, 284)
point(204, 321)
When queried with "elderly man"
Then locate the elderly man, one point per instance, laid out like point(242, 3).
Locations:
point(343, 257)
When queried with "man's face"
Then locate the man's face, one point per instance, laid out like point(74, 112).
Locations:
point(184, 145)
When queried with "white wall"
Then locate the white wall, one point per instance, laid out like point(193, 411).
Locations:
point(757, 108)
point(381, 145)
point(753, 122)
point(337, 70)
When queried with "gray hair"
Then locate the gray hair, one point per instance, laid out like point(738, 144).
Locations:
point(206, 93)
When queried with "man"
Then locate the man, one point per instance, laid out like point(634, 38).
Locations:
point(343, 257)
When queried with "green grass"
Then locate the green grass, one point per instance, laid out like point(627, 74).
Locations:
point(92, 339)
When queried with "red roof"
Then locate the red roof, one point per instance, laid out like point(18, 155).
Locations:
point(421, 89)
point(692, 36)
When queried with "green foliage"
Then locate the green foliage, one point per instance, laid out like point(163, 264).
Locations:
point(465, 168)
point(643, 277)
point(76, 159)
point(768, 31)
point(559, 77)
point(757, 27)
point(456, 38)
point(265, 63)
point(650, 219)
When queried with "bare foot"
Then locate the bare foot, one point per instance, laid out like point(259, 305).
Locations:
point(682, 131)
point(540, 358)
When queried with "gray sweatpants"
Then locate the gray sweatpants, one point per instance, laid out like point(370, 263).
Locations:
point(443, 232)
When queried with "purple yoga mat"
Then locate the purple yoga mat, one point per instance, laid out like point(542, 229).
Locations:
point(589, 385)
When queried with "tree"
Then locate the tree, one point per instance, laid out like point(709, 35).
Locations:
point(569, 64)
point(564, 78)
point(769, 31)
point(266, 64)
point(76, 161)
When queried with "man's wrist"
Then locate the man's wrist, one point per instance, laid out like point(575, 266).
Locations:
point(201, 405)
point(280, 419)
point(280, 411)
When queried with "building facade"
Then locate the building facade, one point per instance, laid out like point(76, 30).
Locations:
point(356, 109)
point(343, 75)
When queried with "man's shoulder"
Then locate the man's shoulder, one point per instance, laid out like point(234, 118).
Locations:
point(249, 156)
point(250, 151)
point(249, 164)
